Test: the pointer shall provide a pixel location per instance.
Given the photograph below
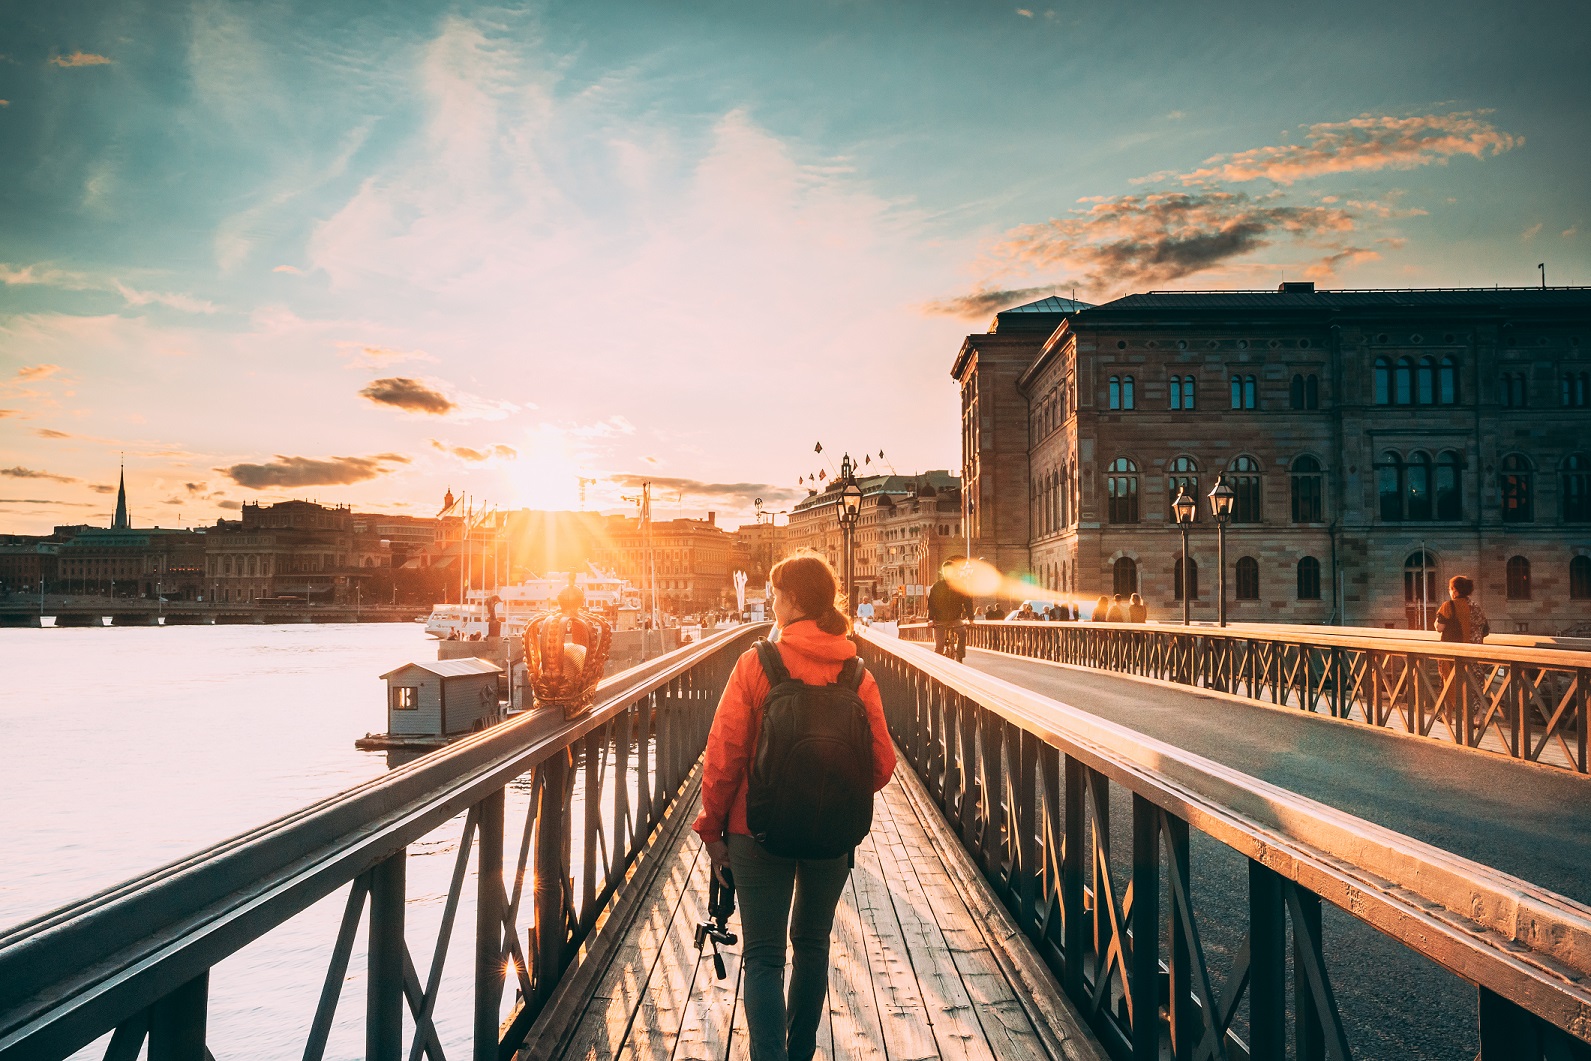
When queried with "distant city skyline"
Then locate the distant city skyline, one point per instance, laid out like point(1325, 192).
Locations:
point(300, 251)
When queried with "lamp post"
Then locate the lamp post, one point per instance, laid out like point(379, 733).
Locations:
point(1184, 508)
point(850, 512)
point(1221, 505)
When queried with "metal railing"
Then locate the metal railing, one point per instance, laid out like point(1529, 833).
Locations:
point(1026, 781)
point(136, 959)
point(1526, 703)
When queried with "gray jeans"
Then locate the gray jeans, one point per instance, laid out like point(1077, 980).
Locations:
point(764, 887)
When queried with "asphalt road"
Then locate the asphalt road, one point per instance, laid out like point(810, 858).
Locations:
point(1530, 821)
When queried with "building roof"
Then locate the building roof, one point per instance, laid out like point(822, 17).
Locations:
point(1042, 315)
point(450, 668)
point(1052, 304)
point(901, 485)
point(1480, 298)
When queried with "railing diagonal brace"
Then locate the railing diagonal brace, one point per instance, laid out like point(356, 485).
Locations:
point(336, 970)
point(128, 1038)
point(425, 1020)
point(1314, 970)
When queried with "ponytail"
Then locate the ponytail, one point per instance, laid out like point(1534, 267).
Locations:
point(808, 580)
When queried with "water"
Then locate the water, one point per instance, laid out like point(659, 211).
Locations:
point(128, 747)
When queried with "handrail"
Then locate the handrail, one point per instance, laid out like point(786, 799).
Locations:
point(995, 756)
point(69, 975)
point(1532, 704)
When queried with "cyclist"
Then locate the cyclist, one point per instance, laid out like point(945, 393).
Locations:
point(948, 610)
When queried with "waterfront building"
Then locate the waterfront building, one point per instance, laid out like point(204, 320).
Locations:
point(692, 558)
point(1378, 442)
point(291, 548)
point(124, 561)
point(756, 547)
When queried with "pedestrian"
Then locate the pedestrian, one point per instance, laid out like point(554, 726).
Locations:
point(948, 609)
point(993, 611)
point(814, 649)
point(864, 613)
point(1137, 610)
point(1460, 618)
point(1101, 610)
point(1025, 612)
point(1117, 609)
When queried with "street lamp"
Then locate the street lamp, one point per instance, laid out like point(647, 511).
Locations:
point(1221, 505)
point(850, 512)
point(1185, 508)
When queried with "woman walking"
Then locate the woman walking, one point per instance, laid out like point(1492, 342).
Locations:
point(783, 901)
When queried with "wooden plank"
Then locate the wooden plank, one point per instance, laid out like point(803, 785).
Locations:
point(956, 1030)
point(902, 1014)
point(705, 1032)
point(1060, 1027)
point(1006, 1027)
point(853, 1007)
point(655, 1030)
point(606, 1021)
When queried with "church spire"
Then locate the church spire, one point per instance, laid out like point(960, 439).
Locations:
point(121, 522)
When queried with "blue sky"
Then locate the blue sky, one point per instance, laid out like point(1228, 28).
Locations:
point(289, 249)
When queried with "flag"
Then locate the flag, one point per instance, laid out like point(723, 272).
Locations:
point(818, 448)
point(880, 454)
point(823, 475)
point(800, 479)
point(867, 459)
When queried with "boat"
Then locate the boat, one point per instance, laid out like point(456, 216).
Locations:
point(607, 594)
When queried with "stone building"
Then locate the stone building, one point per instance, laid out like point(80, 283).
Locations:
point(1378, 442)
point(692, 558)
point(757, 547)
point(291, 548)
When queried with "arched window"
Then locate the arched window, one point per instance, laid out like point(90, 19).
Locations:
point(1243, 476)
point(1121, 491)
point(1403, 382)
point(1514, 394)
point(1574, 489)
point(1115, 392)
point(1383, 394)
point(1449, 487)
point(1417, 482)
point(1518, 578)
point(1295, 392)
point(1425, 382)
point(1308, 578)
point(1176, 392)
point(1389, 486)
point(1182, 392)
point(1182, 474)
point(1245, 392)
point(1193, 578)
point(1309, 504)
point(1519, 495)
point(1311, 391)
point(1248, 579)
point(1237, 392)
point(1576, 389)
point(1126, 392)
point(1447, 382)
point(1580, 578)
point(1124, 576)
point(1420, 580)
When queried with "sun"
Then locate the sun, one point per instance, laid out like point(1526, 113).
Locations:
point(546, 474)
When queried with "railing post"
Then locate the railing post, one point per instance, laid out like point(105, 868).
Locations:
point(1183, 1015)
point(488, 925)
point(1507, 1032)
point(177, 1022)
point(551, 872)
point(1025, 823)
point(1145, 920)
point(384, 991)
point(1309, 1036)
point(1267, 965)
point(1072, 862)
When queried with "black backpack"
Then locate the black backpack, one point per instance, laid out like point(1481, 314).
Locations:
point(810, 792)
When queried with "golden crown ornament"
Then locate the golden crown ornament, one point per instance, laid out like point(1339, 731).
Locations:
point(565, 652)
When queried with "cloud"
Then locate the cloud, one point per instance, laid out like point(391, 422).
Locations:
point(743, 494)
point(983, 302)
point(498, 450)
point(103, 488)
point(369, 355)
point(195, 488)
point(9, 412)
point(50, 432)
point(1133, 241)
point(1363, 144)
point(1530, 233)
point(410, 395)
point(19, 472)
point(287, 472)
point(229, 504)
point(44, 501)
point(1571, 232)
point(5, 103)
point(291, 270)
point(171, 300)
point(79, 59)
point(29, 373)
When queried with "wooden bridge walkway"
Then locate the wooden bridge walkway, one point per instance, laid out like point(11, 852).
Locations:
point(925, 963)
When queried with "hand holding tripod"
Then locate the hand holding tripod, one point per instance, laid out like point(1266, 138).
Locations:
point(720, 904)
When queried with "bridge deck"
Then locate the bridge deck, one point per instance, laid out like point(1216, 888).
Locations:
point(924, 964)
point(1524, 819)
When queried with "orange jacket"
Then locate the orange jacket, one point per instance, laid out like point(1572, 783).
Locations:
point(811, 656)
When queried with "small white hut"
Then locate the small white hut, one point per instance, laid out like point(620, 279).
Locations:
point(443, 698)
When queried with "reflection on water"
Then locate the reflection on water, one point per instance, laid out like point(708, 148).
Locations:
point(130, 747)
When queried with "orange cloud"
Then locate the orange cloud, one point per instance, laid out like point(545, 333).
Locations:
point(28, 373)
point(1368, 142)
point(498, 450)
point(79, 59)
point(410, 395)
point(985, 301)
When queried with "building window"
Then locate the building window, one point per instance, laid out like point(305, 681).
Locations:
point(1121, 392)
point(1449, 487)
point(1193, 578)
point(1383, 381)
point(1420, 578)
point(1248, 578)
point(1245, 392)
point(1574, 489)
point(1580, 578)
point(1447, 382)
point(1243, 476)
point(1308, 578)
point(1425, 382)
point(1513, 391)
point(1121, 491)
point(1518, 578)
point(1309, 504)
point(1124, 576)
point(1403, 382)
point(1305, 391)
point(1183, 475)
point(405, 698)
point(1519, 504)
point(1182, 393)
point(1575, 390)
point(1389, 486)
point(1417, 487)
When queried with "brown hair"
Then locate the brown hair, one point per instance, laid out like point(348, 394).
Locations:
point(1461, 585)
point(811, 583)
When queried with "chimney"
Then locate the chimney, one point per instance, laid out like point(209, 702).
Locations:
point(712, 519)
point(1297, 287)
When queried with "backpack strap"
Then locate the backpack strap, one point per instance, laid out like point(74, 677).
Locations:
point(851, 672)
point(772, 663)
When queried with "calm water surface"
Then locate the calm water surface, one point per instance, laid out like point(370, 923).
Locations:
point(126, 748)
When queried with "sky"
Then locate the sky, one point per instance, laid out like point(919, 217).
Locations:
point(363, 253)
